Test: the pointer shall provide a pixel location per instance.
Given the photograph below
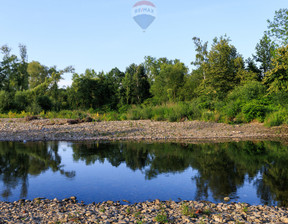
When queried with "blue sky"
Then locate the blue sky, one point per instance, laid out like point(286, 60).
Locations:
point(101, 34)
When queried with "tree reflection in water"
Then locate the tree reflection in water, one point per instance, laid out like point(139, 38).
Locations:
point(18, 160)
point(222, 168)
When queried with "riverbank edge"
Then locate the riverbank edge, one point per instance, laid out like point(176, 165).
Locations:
point(141, 130)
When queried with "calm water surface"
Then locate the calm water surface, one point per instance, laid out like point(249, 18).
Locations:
point(253, 172)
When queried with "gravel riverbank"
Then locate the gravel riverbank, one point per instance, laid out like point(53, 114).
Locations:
point(69, 211)
point(60, 130)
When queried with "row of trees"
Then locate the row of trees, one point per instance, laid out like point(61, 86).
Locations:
point(217, 71)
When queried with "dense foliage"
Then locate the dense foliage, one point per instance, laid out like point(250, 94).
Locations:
point(222, 86)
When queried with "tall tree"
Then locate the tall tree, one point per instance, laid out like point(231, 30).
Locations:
point(278, 28)
point(135, 85)
point(168, 83)
point(23, 80)
point(141, 85)
point(37, 74)
point(224, 68)
point(201, 55)
point(153, 66)
point(113, 81)
point(252, 67)
point(8, 69)
point(264, 53)
point(277, 78)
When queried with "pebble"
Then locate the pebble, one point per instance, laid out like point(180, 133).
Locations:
point(57, 130)
point(68, 211)
point(226, 199)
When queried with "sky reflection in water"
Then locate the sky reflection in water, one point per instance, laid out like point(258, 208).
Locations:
point(253, 172)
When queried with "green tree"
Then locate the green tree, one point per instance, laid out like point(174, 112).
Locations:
point(22, 76)
point(37, 74)
point(201, 55)
point(264, 53)
point(92, 90)
point(252, 67)
point(223, 69)
point(278, 28)
point(113, 81)
point(168, 84)
point(56, 76)
point(21, 100)
point(189, 90)
point(277, 78)
point(141, 86)
point(153, 66)
point(135, 85)
point(83, 89)
point(6, 101)
point(8, 69)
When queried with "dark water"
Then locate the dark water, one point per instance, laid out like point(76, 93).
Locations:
point(252, 172)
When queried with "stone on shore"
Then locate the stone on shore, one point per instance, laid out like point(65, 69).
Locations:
point(42, 210)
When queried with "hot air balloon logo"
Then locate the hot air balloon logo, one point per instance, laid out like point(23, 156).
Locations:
point(144, 13)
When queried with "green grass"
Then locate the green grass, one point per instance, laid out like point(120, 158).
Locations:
point(162, 218)
point(277, 118)
point(187, 211)
point(230, 112)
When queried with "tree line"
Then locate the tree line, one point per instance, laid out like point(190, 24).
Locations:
point(221, 82)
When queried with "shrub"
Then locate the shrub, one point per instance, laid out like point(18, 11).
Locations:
point(20, 100)
point(240, 118)
point(277, 118)
point(194, 112)
point(232, 109)
point(134, 114)
point(5, 101)
point(44, 102)
point(65, 114)
point(254, 110)
point(251, 90)
point(34, 108)
point(280, 98)
point(208, 115)
point(111, 116)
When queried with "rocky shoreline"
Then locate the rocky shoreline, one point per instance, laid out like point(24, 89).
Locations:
point(69, 211)
point(188, 131)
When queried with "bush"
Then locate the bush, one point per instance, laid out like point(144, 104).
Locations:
point(247, 92)
point(66, 114)
point(194, 112)
point(205, 102)
point(20, 100)
point(44, 102)
point(170, 112)
point(5, 101)
point(134, 113)
point(158, 113)
point(34, 108)
point(208, 115)
point(254, 110)
point(232, 109)
point(280, 98)
point(277, 118)
point(111, 116)
point(240, 118)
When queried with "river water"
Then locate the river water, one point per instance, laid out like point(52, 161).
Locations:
point(251, 172)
